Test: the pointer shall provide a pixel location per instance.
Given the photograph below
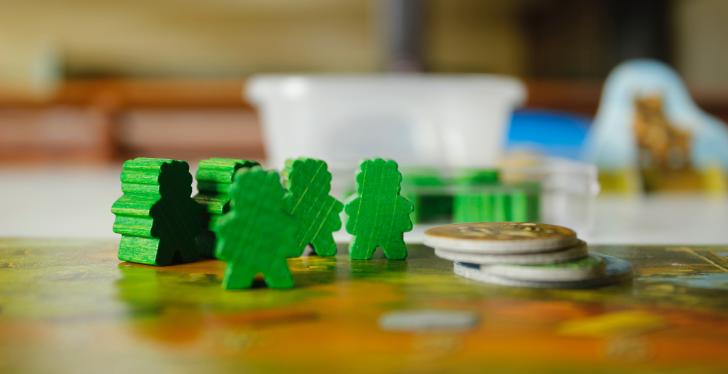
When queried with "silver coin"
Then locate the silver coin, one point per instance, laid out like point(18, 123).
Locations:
point(574, 252)
point(586, 268)
point(616, 271)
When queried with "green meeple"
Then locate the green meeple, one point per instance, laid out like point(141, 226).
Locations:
point(158, 220)
point(377, 214)
point(214, 177)
point(317, 213)
point(257, 234)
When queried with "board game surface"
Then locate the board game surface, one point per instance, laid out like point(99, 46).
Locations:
point(71, 305)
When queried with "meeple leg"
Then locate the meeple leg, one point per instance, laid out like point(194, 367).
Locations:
point(278, 274)
point(394, 248)
point(238, 276)
point(361, 248)
point(324, 245)
point(165, 255)
point(191, 252)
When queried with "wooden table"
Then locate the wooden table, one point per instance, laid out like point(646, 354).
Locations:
point(71, 306)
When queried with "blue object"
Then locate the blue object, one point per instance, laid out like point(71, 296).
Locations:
point(548, 132)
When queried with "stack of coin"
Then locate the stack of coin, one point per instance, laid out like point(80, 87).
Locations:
point(524, 255)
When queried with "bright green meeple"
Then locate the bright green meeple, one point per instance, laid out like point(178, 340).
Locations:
point(158, 220)
point(214, 177)
point(257, 234)
point(378, 215)
point(316, 212)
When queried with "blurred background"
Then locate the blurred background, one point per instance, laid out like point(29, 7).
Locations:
point(85, 84)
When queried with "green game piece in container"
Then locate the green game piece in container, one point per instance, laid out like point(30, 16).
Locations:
point(471, 205)
point(520, 211)
point(214, 177)
point(424, 188)
point(525, 202)
point(501, 206)
point(257, 234)
point(377, 214)
point(317, 213)
point(156, 217)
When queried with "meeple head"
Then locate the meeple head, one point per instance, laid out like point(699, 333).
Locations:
point(217, 163)
point(175, 179)
point(256, 185)
point(300, 172)
point(379, 176)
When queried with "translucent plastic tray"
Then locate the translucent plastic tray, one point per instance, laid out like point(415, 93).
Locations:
point(564, 192)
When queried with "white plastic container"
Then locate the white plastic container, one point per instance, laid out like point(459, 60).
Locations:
point(448, 123)
point(432, 120)
point(565, 191)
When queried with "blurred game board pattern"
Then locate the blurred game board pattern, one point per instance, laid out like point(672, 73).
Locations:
point(71, 306)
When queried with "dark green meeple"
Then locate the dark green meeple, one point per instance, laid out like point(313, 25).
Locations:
point(214, 178)
point(257, 234)
point(158, 220)
point(317, 213)
point(378, 216)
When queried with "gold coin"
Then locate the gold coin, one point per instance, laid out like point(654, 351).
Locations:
point(501, 231)
point(498, 237)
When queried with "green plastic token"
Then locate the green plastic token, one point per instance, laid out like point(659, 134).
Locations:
point(257, 234)
point(425, 189)
point(156, 217)
point(524, 202)
point(377, 214)
point(501, 206)
point(471, 205)
point(308, 201)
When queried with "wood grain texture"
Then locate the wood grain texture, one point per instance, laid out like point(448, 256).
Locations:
point(158, 220)
point(257, 234)
point(308, 200)
point(377, 215)
point(214, 177)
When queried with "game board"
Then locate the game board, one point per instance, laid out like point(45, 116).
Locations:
point(70, 305)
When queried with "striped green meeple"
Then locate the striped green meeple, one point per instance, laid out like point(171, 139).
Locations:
point(378, 216)
point(316, 212)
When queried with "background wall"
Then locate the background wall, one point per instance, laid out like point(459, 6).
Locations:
point(104, 80)
point(701, 34)
point(40, 40)
point(44, 39)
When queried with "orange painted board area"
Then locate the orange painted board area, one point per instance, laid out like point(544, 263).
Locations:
point(71, 306)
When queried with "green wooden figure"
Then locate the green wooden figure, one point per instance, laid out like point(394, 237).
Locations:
point(377, 214)
point(317, 213)
point(257, 234)
point(214, 177)
point(156, 217)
